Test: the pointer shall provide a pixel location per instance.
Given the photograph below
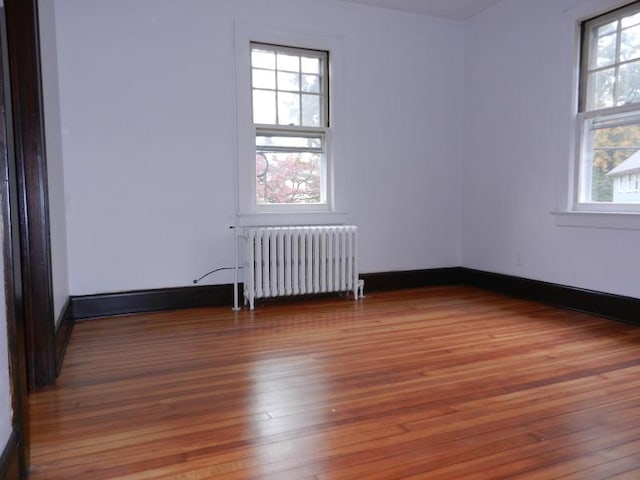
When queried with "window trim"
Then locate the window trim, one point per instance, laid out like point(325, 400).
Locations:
point(247, 209)
point(564, 210)
point(583, 116)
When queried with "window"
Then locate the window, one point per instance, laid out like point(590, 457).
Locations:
point(609, 112)
point(290, 126)
point(289, 99)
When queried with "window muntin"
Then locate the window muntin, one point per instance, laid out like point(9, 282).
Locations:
point(609, 116)
point(289, 99)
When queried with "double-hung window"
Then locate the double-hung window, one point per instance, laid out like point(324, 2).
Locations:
point(290, 124)
point(609, 112)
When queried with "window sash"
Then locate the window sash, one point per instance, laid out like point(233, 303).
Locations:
point(320, 148)
point(279, 91)
point(589, 124)
point(589, 40)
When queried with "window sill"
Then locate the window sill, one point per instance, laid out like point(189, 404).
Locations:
point(608, 220)
point(291, 218)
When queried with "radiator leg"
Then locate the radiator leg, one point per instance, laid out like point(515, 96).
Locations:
point(236, 308)
point(361, 288)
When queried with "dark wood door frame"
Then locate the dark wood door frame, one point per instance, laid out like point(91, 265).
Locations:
point(32, 195)
point(11, 249)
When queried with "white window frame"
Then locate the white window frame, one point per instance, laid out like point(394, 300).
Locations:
point(565, 212)
point(586, 117)
point(249, 212)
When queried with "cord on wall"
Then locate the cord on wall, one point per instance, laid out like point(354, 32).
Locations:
point(213, 271)
point(197, 280)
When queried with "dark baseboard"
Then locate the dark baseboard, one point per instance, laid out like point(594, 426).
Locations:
point(616, 307)
point(141, 301)
point(123, 303)
point(63, 333)
point(411, 278)
point(10, 459)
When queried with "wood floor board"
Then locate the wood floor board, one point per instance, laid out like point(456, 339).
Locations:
point(631, 474)
point(598, 465)
point(527, 461)
point(436, 383)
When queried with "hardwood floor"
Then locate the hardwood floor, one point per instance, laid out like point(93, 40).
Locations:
point(442, 383)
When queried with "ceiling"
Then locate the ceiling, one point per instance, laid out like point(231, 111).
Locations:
point(454, 9)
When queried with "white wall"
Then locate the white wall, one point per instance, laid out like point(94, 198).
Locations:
point(5, 384)
point(518, 84)
point(55, 168)
point(147, 99)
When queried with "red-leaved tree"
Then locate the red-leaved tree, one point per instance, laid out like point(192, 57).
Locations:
point(287, 177)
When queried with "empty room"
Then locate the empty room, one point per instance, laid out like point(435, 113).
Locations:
point(320, 239)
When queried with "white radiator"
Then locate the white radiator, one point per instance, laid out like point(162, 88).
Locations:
point(280, 261)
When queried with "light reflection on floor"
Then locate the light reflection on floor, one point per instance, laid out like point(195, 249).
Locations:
point(283, 397)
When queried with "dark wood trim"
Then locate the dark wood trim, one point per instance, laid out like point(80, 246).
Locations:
point(10, 459)
point(109, 304)
point(18, 445)
point(28, 125)
point(411, 279)
point(63, 334)
point(616, 307)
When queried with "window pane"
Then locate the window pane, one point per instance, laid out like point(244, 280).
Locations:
point(289, 81)
point(311, 83)
point(614, 153)
point(310, 65)
point(608, 28)
point(263, 79)
point(630, 43)
point(631, 20)
point(601, 88)
point(311, 114)
point(262, 59)
point(606, 51)
point(288, 108)
point(290, 63)
point(288, 177)
point(629, 83)
point(288, 141)
point(264, 106)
